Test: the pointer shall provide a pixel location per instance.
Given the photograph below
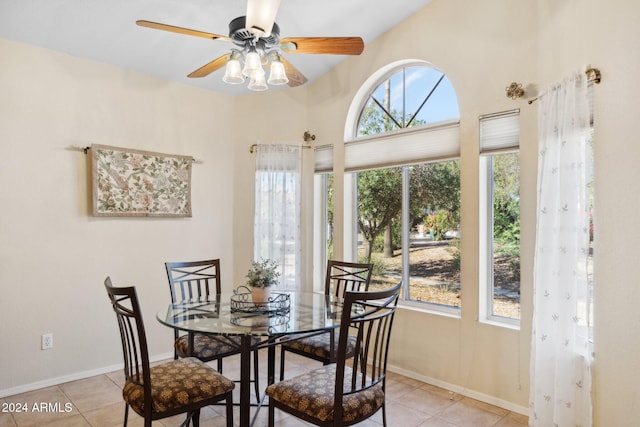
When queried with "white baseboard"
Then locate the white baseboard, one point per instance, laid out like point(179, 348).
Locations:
point(510, 406)
point(72, 377)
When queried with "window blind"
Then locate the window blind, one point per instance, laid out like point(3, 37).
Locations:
point(434, 142)
point(500, 131)
point(323, 159)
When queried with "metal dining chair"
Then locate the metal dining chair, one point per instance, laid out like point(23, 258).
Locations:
point(341, 277)
point(201, 280)
point(353, 388)
point(178, 386)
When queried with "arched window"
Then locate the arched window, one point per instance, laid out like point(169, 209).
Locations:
point(405, 113)
point(404, 158)
point(415, 95)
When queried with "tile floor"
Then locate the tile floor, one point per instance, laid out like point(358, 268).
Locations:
point(97, 402)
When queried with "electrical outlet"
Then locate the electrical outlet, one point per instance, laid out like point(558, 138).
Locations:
point(47, 341)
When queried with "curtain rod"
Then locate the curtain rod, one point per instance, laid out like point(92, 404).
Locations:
point(307, 136)
point(252, 148)
point(86, 149)
point(593, 76)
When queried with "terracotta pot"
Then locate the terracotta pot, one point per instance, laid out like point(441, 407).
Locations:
point(260, 294)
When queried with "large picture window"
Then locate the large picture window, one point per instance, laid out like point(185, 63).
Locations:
point(408, 227)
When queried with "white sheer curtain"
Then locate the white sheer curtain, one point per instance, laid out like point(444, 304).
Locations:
point(277, 209)
point(561, 355)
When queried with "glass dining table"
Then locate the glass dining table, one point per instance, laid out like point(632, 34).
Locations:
point(234, 314)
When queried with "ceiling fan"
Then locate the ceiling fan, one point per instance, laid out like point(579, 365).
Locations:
point(256, 40)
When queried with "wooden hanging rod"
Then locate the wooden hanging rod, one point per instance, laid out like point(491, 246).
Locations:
point(593, 76)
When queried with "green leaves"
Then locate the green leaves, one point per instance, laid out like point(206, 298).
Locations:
point(263, 274)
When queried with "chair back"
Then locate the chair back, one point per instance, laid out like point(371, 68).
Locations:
point(193, 279)
point(368, 316)
point(347, 276)
point(134, 341)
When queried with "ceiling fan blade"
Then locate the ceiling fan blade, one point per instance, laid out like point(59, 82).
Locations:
point(180, 30)
point(324, 45)
point(296, 78)
point(212, 66)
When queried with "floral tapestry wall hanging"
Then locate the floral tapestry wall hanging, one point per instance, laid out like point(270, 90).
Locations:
point(140, 183)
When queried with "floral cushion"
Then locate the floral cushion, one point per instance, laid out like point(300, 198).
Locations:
point(177, 383)
point(320, 345)
point(207, 347)
point(313, 394)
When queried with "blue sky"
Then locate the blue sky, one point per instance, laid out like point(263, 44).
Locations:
point(419, 81)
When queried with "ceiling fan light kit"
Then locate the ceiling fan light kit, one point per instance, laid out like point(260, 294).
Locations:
point(235, 73)
point(256, 37)
point(255, 51)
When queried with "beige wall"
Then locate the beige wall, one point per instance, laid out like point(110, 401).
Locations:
point(53, 256)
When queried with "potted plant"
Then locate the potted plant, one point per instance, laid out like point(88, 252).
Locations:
point(261, 277)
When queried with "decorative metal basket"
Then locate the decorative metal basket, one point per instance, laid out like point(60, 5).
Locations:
point(277, 304)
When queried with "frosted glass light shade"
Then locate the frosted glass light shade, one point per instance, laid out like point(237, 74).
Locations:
point(251, 63)
point(233, 72)
point(277, 76)
point(258, 82)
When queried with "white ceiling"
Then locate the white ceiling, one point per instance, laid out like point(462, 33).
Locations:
point(105, 31)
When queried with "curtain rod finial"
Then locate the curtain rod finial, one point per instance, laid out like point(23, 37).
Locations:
point(593, 75)
point(515, 90)
point(308, 136)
